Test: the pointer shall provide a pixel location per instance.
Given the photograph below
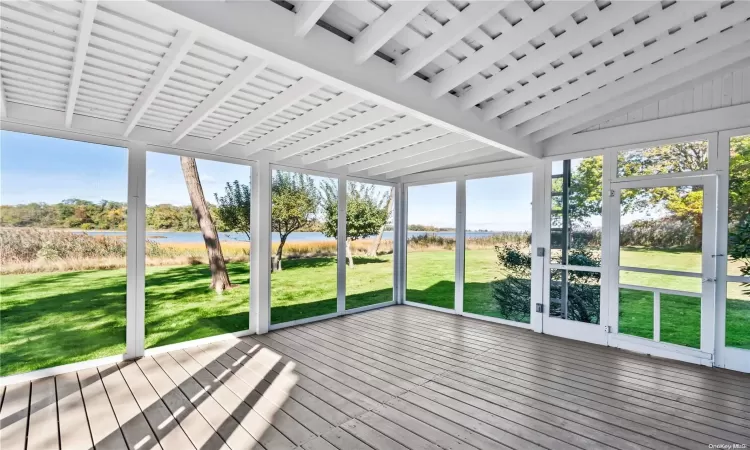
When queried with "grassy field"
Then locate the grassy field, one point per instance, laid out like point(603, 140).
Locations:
point(50, 319)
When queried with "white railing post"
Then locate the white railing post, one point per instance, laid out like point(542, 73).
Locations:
point(458, 301)
point(136, 252)
point(657, 316)
point(341, 261)
point(260, 248)
point(400, 236)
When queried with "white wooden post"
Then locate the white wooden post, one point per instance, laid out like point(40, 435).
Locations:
point(341, 261)
point(260, 249)
point(458, 301)
point(136, 252)
point(400, 236)
point(657, 316)
point(540, 239)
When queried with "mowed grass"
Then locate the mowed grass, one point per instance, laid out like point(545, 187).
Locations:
point(49, 319)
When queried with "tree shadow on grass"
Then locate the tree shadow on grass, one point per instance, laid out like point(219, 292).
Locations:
point(201, 328)
point(287, 313)
point(369, 298)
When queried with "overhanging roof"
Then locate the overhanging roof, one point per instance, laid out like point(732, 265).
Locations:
point(366, 88)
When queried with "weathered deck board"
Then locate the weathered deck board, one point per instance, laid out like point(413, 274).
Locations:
point(395, 378)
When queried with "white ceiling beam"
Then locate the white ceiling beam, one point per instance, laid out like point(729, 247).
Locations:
point(85, 24)
point(330, 108)
point(367, 118)
point(600, 23)
point(669, 44)
point(697, 60)
point(434, 154)
point(168, 64)
point(398, 126)
point(291, 95)
point(379, 164)
point(247, 70)
point(442, 158)
point(3, 104)
point(470, 18)
point(477, 168)
point(308, 13)
point(387, 146)
point(658, 21)
point(530, 27)
point(265, 29)
point(737, 116)
point(398, 15)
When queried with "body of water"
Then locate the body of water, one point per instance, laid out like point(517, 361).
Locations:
point(179, 237)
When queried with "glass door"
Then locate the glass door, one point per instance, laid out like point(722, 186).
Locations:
point(733, 282)
point(572, 302)
point(662, 295)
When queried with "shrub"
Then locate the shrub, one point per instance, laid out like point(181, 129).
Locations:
point(663, 233)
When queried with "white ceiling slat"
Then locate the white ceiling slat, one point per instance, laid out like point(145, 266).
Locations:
point(379, 133)
point(330, 108)
point(308, 13)
point(688, 34)
point(376, 165)
point(615, 14)
point(385, 27)
point(432, 153)
point(171, 60)
point(442, 158)
point(668, 72)
point(247, 70)
point(549, 15)
point(301, 89)
point(82, 43)
point(370, 117)
point(474, 15)
point(388, 146)
point(676, 14)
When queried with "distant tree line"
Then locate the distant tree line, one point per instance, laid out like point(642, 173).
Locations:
point(430, 228)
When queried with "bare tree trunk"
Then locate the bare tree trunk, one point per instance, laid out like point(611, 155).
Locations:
point(373, 250)
point(276, 263)
point(219, 276)
point(349, 253)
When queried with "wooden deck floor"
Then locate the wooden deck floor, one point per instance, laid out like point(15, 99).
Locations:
point(394, 378)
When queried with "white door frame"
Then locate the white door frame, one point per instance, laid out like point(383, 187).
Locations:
point(704, 355)
point(582, 331)
point(727, 357)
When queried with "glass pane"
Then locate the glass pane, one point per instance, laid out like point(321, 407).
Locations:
point(431, 245)
point(738, 315)
point(738, 294)
point(661, 228)
point(197, 248)
point(670, 158)
point(576, 216)
point(680, 320)
point(63, 208)
point(497, 277)
point(304, 218)
point(657, 280)
point(369, 230)
point(574, 295)
point(636, 313)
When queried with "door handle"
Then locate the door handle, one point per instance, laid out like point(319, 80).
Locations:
point(709, 280)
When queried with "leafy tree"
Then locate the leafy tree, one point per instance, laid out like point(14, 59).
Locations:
point(294, 203)
point(366, 212)
point(234, 207)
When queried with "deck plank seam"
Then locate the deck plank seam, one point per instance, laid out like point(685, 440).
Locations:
point(85, 410)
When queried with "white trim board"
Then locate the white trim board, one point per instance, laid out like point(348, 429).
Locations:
point(653, 130)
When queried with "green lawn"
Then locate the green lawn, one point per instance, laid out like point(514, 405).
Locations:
point(49, 319)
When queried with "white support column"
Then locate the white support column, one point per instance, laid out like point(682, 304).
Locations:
point(341, 248)
point(136, 253)
point(260, 249)
point(610, 276)
point(400, 236)
point(657, 316)
point(539, 239)
point(458, 301)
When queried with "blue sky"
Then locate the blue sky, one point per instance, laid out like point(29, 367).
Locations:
point(42, 169)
